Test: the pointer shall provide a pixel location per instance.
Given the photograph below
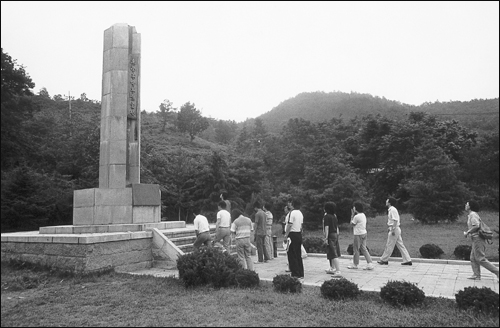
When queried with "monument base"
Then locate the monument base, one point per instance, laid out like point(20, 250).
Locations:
point(141, 203)
point(85, 252)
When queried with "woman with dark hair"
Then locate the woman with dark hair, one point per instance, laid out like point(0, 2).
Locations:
point(331, 238)
point(477, 256)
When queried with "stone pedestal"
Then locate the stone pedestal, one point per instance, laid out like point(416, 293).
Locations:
point(102, 206)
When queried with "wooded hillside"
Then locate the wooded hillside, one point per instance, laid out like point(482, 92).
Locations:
point(50, 147)
point(481, 115)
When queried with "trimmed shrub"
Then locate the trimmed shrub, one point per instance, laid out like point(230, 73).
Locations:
point(208, 266)
point(247, 278)
point(339, 289)
point(284, 283)
point(350, 250)
point(481, 299)
point(431, 251)
point(462, 252)
point(314, 245)
point(402, 293)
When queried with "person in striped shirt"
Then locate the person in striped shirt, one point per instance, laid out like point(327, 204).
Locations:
point(241, 229)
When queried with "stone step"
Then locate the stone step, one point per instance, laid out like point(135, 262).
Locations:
point(183, 232)
point(179, 241)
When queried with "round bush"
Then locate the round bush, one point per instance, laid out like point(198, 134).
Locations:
point(431, 251)
point(247, 278)
point(462, 252)
point(208, 265)
point(351, 252)
point(314, 245)
point(402, 293)
point(339, 289)
point(284, 283)
point(480, 299)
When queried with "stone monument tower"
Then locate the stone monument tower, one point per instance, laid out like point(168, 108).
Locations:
point(120, 198)
point(116, 225)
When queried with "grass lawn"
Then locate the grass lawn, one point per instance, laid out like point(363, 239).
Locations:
point(41, 298)
point(415, 234)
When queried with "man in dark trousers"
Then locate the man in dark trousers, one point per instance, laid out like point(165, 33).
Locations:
point(260, 233)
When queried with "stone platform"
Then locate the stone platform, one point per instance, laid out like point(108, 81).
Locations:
point(75, 248)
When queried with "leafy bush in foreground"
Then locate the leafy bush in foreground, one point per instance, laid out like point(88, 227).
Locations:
point(402, 293)
point(247, 278)
point(339, 289)
point(480, 299)
point(208, 265)
point(284, 283)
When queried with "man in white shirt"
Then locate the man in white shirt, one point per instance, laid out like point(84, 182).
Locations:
point(294, 231)
point(222, 226)
point(202, 230)
point(394, 235)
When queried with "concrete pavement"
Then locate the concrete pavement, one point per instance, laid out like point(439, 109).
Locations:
point(437, 278)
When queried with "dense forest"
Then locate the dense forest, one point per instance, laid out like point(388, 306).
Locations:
point(373, 149)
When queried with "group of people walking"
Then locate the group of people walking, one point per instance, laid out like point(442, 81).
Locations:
point(241, 228)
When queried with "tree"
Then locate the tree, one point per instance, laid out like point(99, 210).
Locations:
point(165, 109)
point(260, 131)
point(225, 131)
point(190, 120)
point(435, 192)
point(16, 107)
point(243, 142)
point(44, 93)
point(83, 97)
point(177, 175)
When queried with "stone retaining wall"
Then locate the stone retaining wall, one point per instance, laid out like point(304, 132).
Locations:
point(93, 254)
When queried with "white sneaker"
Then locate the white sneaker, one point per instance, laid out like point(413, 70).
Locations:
point(352, 266)
point(369, 267)
point(337, 275)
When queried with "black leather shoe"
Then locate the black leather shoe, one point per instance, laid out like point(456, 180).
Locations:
point(407, 263)
point(383, 262)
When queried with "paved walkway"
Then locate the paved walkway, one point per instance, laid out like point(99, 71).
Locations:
point(437, 278)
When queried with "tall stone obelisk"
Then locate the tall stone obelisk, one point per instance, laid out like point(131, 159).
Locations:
point(120, 198)
point(119, 164)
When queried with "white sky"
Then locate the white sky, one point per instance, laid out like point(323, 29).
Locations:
point(238, 60)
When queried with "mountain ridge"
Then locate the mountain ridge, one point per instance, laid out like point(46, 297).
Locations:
point(323, 106)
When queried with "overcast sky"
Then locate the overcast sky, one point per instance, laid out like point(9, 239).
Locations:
point(238, 60)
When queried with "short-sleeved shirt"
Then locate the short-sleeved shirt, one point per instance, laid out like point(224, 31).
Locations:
point(393, 217)
point(360, 221)
point(242, 227)
point(201, 224)
point(260, 223)
point(331, 222)
point(473, 220)
point(223, 219)
point(296, 219)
